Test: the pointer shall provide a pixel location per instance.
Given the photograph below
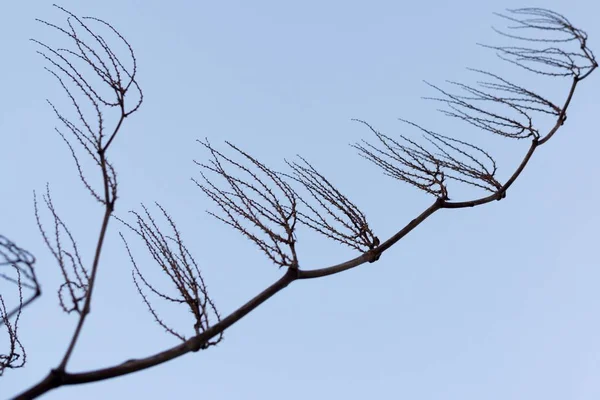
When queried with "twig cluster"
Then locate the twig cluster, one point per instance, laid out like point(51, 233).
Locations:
point(61, 243)
point(428, 169)
point(76, 71)
point(518, 104)
point(547, 58)
point(260, 204)
point(334, 216)
point(427, 165)
point(177, 263)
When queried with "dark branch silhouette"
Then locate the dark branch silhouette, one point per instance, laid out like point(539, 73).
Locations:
point(177, 263)
point(335, 217)
point(261, 204)
point(260, 197)
point(577, 61)
point(76, 277)
point(100, 88)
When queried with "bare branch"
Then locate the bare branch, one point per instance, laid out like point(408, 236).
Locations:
point(78, 72)
point(336, 217)
point(577, 62)
point(96, 79)
point(268, 209)
point(495, 105)
point(429, 169)
point(75, 275)
point(257, 202)
point(177, 263)
point(474, 108)
point(16, 272)
point(15, 260)
point(406, 161)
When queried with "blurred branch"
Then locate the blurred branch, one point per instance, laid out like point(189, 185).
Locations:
point(15, 260)
point(16, 271)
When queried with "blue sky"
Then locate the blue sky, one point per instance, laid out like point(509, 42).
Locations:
point(497, 302)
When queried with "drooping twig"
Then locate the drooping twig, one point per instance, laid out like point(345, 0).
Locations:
point(76, 277)
point(519, 106)
point(568, 54)
point(78, 71)
point(495, 105)
point(259, 204)
point(175, 260)
point(335, 217)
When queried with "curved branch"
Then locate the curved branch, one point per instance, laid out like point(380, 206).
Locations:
point(415, 164)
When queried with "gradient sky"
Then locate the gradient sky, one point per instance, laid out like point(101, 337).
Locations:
point(497, 302)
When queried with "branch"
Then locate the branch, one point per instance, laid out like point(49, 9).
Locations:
point(93, 72)
point(17, 271)
point(255, 199)
point(335, 216)
point(177, 263)
point(251, 204)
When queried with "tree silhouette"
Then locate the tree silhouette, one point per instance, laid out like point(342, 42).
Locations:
point(263, 204)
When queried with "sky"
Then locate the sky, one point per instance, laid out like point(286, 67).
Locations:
point(495, 302)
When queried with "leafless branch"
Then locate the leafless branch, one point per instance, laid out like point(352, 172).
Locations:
point(544, 60)
point(93, 72)
point(17, 274)
point(260, 204)
point(76, 278)
point(335, 217)
point(17, 267)
point(177, 263)
point(263, 212)
point(495, 105)
point(97, 81)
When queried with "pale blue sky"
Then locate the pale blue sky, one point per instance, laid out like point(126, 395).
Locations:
point(497, 302)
